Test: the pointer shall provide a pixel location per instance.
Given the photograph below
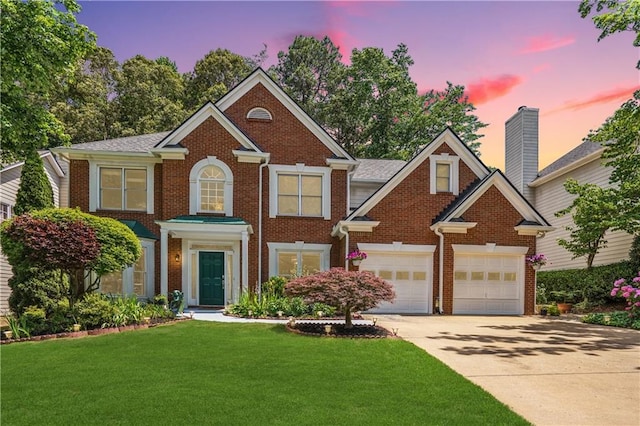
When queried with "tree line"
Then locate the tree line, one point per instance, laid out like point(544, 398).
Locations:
point(60, 87)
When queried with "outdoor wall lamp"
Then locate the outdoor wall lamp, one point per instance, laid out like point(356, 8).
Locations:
point(178, 257)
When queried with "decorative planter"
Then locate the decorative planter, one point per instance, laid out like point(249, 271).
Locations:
point(543, 311)
point(356, 262)
point(8, 334)
point(565, 307)
point(76, 327)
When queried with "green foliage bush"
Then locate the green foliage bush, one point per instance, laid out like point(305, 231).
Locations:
point(95, 310)
point(34, 320)
point(593, 285)
point(614, 319)
point(33, 287)
point(274, 287)
point(35, 191)
point(634, 253)
point(250, 305)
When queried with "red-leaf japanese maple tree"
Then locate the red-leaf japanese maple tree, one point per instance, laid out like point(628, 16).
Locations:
point(348, 291)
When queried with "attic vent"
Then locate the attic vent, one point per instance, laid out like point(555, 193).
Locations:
point(259, 114)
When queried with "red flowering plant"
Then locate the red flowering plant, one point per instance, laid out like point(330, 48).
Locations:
point(347, 291)
point(631, 292)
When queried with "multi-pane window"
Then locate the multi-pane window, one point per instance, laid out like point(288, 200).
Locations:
point(443, 177)
point(296, 263)
point(299, 195)
point(5, 211)
point(211, 189)
point(123, 188)
point(130, 281)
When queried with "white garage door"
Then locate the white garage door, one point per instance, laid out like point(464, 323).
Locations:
point(488, 284)
point(410, 275)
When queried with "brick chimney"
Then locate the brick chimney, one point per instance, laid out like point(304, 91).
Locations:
point(521, 150)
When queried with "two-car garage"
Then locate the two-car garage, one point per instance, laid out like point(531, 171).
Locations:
point(487, 280)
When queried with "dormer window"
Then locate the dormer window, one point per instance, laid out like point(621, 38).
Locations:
point(260, 114)
point(444, 174)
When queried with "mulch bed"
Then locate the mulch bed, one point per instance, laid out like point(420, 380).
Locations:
point(359, 331)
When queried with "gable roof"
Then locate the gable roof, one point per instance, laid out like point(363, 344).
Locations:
point(45, 155)
point(446, 136)
point(207, 110)
point(259, 76)
point(461, 204)
point(583, 153)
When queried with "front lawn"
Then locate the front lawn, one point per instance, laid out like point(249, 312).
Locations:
point(198, 372)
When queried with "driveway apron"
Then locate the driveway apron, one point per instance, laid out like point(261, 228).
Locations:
point(550, 371)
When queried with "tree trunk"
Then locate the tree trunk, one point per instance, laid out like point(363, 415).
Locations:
point(347, 317)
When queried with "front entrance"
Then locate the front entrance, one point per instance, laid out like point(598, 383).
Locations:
point(211, 279)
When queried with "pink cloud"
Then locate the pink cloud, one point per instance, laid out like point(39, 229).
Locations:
point(487, 89)
point(617, 94)
point(546, 42)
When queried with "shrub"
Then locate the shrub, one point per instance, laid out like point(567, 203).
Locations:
point(274, 286)
point(592, 284)
point(345, 290)
point(34, 287)
point(614, 319)
point(35, 320)
point(630, 293)
point(94, 311)
point(35, 191)
point(634, 253)
point(553, 310)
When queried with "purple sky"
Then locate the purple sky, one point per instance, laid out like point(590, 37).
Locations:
point(507, 54)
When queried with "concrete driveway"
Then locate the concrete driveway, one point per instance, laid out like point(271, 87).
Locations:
point(550, 371)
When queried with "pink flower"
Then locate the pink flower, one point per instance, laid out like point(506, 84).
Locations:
point(614, 292)
point(619, 282)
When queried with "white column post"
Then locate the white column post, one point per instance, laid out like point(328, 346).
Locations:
point(164, 260)
point(245, 261)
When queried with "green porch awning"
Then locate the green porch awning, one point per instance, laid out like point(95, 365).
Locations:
point(139, 229)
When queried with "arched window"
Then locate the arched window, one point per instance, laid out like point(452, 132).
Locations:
point(211, 187)
point(211, 190)
point(259, 113)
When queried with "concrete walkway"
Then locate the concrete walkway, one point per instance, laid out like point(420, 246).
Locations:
point(218, 316)
point(550, 371)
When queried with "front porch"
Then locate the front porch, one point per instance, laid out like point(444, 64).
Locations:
point(212, 256)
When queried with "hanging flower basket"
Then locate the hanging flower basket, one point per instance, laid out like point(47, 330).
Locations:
point(356, 257)
point(536, 261)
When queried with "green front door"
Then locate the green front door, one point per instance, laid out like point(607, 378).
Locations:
point(211, 278)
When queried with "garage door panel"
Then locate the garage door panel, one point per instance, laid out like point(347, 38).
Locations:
point(408, 273)
point(488, 284)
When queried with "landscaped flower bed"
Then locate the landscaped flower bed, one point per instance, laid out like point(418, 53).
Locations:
point(339, 330)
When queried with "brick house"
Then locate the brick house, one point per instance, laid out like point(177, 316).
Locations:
point(251, 187)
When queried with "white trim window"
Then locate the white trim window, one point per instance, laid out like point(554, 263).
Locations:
point(5, 211)
point(114, 186)
point(136, 280)
point(299, 258)
point(211, 187)
point(123, 188)
point(300, 191)
point(444, 171)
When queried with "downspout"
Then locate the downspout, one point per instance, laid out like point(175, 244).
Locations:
point(342, 231)
point(262, 166)
point(439, 233)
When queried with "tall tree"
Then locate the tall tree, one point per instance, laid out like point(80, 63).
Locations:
point(35, 191)
point(40, 42)
point(451, 107)
point(214, 75)
point(309, 71)
point(86, 104)
point(613, 16)
point(374, 103)
point(149, 96)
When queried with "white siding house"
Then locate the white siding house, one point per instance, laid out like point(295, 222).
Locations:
point(545, 190)
point(9, 184)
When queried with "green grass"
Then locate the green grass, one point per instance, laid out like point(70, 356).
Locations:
point(235, 374)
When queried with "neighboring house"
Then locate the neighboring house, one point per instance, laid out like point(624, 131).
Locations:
point(251, 187)
point(9, 184)
point(545, 190)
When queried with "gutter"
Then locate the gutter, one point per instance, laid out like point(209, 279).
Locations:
point(262, 166)
point(438, 232)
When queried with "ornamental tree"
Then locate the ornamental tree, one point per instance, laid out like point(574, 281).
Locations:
point(347, 291)
point(69, 246)
point(35, 191)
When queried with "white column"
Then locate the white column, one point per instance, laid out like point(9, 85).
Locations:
point(245, 260)
point(164, 259)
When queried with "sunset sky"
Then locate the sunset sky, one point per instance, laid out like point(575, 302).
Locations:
point(506, 53)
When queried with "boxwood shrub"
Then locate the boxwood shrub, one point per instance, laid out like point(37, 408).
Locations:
point(593, 285)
